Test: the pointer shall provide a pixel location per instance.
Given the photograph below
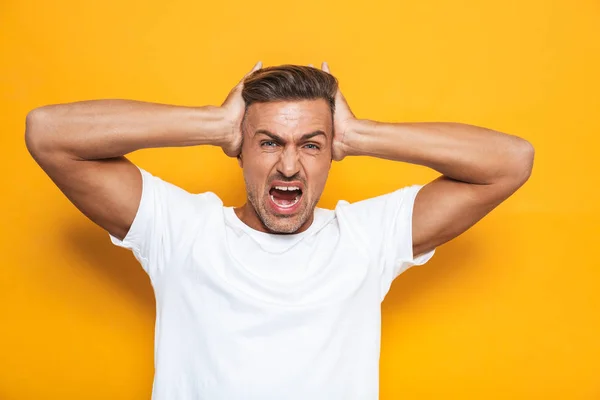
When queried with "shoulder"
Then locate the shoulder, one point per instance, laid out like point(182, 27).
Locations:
point(162, 190)
point(374, 219)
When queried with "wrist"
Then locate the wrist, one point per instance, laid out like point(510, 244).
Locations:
point(212, 126)
point(356, 136)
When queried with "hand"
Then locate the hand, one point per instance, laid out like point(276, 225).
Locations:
point(342, 119)
point(233, 109)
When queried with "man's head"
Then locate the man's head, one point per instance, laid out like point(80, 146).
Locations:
point(287, 138)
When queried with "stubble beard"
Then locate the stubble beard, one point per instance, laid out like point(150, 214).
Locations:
point(279, 223)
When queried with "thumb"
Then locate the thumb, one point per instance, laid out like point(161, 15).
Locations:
point(256, 67)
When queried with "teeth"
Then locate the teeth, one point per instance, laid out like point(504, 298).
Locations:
point(285, 188)
point(285, 205)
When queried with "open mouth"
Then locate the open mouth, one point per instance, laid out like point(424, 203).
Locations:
point(285, 197)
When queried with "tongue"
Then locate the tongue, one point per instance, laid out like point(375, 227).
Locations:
point(284, 196)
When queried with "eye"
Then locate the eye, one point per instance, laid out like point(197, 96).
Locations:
point(314, 146)
point(269, 143)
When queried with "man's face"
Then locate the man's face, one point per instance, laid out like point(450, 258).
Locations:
point(287, 145)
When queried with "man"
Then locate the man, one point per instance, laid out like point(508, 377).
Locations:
point(277, 299)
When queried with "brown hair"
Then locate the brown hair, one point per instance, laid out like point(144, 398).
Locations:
point(289, 82)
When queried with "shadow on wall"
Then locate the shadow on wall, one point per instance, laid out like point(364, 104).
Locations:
point(448, 263)
point(118, 265)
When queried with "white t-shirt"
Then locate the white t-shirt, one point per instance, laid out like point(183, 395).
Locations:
point(243, 314)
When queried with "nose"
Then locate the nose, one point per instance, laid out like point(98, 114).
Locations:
point(289, 162)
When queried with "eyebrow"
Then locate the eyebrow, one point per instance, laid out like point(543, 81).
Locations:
point(279, 139)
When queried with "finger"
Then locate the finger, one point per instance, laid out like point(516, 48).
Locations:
point(256, 67)
point(325, 66)
point(310, 65)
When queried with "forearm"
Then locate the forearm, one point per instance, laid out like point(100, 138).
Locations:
point(99, 129)
point(462, 152)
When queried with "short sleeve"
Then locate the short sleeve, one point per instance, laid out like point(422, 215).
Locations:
point(384, 225)
point(165, 219)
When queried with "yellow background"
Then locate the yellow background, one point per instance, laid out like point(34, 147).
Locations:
point(509, 310)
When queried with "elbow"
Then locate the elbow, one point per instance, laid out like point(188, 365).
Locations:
point(36, 127)
point(522, 162)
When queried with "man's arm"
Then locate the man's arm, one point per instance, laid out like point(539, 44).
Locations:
point(81, 146)
point(480, 168)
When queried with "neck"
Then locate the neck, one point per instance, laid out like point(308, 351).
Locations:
point(248, 215)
